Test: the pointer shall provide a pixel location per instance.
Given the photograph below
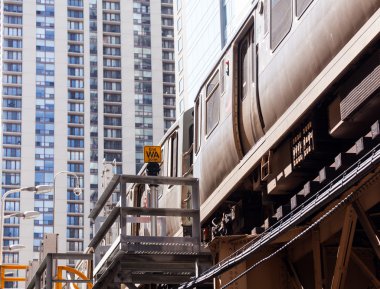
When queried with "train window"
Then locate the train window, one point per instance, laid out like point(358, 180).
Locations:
point(198, 124)
point(281, 21)
point(173, 155)
point(301, 6)
point(243, 68)
point(212, 103)
point(222, 71)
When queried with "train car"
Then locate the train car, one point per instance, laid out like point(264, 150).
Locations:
point(176, 152)
point(298, 79)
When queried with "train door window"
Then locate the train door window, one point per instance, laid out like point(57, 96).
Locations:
point(301, 6)
point(243, 68)
point(253, 54)
point(281, 21)
point(222, 71)
point(198, 124)
point(173, 155)
point(212, 103)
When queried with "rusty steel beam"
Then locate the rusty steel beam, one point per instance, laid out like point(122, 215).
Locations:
point(316, 243)
point(344, 250)
point(365, 269)
point(369, 228)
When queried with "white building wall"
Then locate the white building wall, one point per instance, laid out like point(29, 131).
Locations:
point(201, 33)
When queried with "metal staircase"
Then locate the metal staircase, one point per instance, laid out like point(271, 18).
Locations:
point(134, 259)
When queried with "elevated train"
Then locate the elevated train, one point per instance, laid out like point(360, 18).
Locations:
point(299, 79)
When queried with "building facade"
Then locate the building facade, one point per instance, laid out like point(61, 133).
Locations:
point(84, 82)
point(202, 31)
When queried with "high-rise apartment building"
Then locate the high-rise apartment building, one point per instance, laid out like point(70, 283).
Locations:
point(83, 81)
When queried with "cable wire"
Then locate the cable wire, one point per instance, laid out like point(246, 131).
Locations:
point(348, 199)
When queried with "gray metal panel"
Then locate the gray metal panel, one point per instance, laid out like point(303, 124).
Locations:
point(104, 197)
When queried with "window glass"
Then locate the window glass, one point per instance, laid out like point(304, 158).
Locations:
point(281, 20)
point(301, 6)
point(198, 122)
point(244, 69)
point(212, 103)
point(173, 163)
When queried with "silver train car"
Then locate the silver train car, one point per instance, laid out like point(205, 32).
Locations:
point(297, 80)
point(177, 154)
point(294, 65)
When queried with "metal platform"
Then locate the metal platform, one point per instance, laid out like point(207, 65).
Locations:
point(146, 259)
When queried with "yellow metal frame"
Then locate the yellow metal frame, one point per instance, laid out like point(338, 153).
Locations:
point(60, 270)
point(5, 267)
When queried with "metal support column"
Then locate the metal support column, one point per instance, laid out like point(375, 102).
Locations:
point(344, 250)
point(317, 259)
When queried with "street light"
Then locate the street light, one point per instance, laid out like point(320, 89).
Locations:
point(77, 190)
point(26, 215)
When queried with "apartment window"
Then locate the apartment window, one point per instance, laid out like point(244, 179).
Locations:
point(112, 120)
point(114, 28)
point(12, 115)
point(75, 36)
point(167, 32)
point(13, 43)
point(76, 60)
point(111, 16)
point(74, 246)
point(77, 3)
point(111, 97)
point(112, 133)
point(167, 10)
point(72, 71)
point(167, 21)
point(75, 143)
point(78, 168)
point(12, 55)
point(11, 179)
point(13, 103)
point(78, 95)
point(113, 145)
point(13, 8)
point(281, 20)
point(75, 83)
point(74, 233)
point(12, 206)
point(11, 165)
point(12, 152)
point(75, 156)
point(13, 19)
point(11, 31)
point(75, 13)
point(75, 48)
point(112, 62)
point(109, 157)
point(114, 51)
point(75, 25)
point(111, 5)
point(11, 127)
point(111, 39)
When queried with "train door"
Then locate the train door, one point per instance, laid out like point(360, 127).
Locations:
point(250, 127)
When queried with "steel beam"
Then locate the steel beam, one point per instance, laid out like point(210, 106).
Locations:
point(316, 243)
point(369, 228)
point(344, 250)
point(365, 269)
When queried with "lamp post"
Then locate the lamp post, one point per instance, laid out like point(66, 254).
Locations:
point(77, 189)
point(26, 215)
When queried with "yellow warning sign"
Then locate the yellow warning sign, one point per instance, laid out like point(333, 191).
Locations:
point(152, 154)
